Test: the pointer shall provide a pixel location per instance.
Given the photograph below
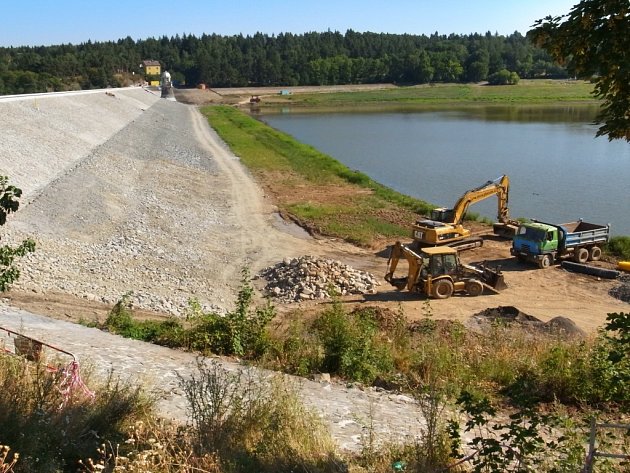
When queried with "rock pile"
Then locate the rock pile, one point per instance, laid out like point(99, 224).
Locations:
point(622, 292)
point(308, 277)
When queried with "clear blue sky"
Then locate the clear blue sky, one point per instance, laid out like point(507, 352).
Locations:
point(46, 22)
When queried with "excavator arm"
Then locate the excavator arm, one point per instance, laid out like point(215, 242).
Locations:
point(414, 261)
point(499, 187)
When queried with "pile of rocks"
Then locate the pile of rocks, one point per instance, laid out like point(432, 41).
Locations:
point(308, 277)
point(622, 292)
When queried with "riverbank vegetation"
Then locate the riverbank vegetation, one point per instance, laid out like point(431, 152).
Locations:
point(312, 188)
point(527, 92)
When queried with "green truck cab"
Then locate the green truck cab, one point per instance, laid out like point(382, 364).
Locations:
point(547, 243)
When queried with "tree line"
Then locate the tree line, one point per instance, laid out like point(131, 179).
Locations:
point(326, 58)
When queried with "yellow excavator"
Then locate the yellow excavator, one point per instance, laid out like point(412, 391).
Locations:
point(444, 227)
point(438, 273)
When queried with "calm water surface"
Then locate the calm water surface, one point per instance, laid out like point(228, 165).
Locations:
point(559, 172)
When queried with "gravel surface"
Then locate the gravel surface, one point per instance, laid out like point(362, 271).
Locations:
point(160, 208)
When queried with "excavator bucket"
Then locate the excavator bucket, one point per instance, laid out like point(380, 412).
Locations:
point(493, 278)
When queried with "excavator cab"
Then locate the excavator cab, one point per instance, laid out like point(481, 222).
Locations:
point(442, 215)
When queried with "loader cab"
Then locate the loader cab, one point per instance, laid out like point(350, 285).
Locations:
point(439, 261)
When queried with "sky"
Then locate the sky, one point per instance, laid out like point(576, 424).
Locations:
point(48, 22)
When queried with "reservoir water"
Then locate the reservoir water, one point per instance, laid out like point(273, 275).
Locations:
point(558, 170)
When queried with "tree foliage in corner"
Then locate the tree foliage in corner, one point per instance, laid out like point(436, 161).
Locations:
point(593, 39)
point(9, 203)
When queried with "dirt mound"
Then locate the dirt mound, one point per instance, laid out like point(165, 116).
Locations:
point(510, 316)
point(564, 326)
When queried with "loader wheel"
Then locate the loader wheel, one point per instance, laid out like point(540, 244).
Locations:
point(474, 288)
point(580, 255)
point(545, 262)
point(595, 254)
point(443, 289)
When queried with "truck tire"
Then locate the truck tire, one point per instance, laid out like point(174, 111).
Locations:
point(474, 288)
point(545, 262)
point(443, 289)
point(580, 255)
point(595, 254)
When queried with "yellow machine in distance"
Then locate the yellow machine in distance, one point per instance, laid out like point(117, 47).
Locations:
point(444, 227)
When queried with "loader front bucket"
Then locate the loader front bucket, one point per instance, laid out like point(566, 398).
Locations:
point(494, 278)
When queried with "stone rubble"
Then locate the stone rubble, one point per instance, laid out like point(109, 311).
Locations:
point(309, 278)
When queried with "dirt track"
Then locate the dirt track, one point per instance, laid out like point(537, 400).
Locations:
point(164, 209)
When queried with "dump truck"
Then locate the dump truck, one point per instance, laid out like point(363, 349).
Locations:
point(438, 273)
point(547, 243)
point(444, 226)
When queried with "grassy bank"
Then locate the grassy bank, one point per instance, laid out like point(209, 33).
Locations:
point(525, 92)
point(313, 188)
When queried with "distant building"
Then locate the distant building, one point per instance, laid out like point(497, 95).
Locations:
point(152, 68)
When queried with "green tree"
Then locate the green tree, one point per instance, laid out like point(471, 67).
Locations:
point(9, 203)
point(593, 39)
point(503, 77)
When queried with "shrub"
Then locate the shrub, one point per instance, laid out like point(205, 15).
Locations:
point(242, 332)
point(503, 77)
point(619, 246)
point(52, 432)
point(255, 424)
point(351, 345)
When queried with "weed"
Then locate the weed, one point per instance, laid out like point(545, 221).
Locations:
point(49, 432)
point(255, 424)
point(351, 344)
point(242, 332)
point(619, 246)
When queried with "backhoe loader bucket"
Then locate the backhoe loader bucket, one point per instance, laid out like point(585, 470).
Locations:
point(398, 283)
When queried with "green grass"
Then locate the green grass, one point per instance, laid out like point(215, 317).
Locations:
point(364, 209)
point(526, 91)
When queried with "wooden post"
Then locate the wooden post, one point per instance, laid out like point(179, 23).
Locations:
point(590, 457)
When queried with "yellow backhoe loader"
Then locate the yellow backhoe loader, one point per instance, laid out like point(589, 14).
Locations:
point(444, 227)
point(438, 273)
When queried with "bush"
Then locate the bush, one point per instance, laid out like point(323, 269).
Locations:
point(52, 432)
point(619, 246)
point(255, 424)
point(351, 345)
point(242, 332)
point(503, 77)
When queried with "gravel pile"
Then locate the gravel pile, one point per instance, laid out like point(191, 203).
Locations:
point(144, 212)
point(308, 277)
point(622, 292)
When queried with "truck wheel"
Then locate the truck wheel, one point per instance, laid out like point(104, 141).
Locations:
point(580, 255)
point(474, 288)
point(443, 289)
point(545, 262)
point(595, 254)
